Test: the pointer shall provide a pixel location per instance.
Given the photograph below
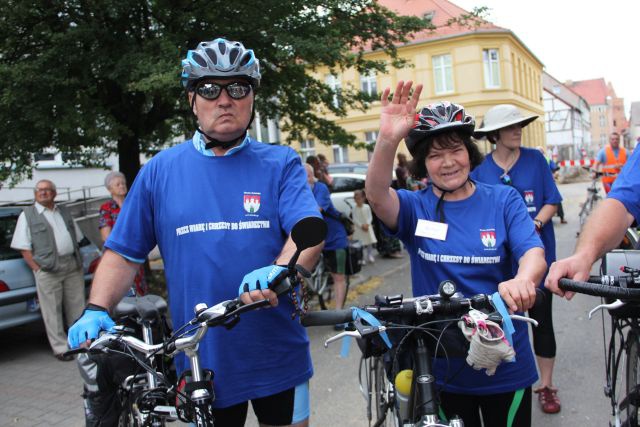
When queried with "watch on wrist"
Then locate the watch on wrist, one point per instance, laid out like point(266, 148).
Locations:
point(538, 224)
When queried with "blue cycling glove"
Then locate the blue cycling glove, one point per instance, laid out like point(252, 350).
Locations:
point(262, 278)
point(93, 320)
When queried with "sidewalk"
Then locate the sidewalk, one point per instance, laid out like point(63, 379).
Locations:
point(39, 390)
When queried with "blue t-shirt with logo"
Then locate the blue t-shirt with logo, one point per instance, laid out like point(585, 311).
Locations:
point(485, 233)
point(626, 188)
point(216, 219)
point(336, 234)
point(532, 178)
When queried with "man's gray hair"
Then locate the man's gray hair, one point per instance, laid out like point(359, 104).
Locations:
point(53, 185)
point(111, 176)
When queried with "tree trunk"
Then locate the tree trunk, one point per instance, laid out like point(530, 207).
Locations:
point(129, 158)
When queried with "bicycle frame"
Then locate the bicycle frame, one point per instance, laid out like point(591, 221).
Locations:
point(623, 330)
point(624, 342)
point(422, 404)
point(593, 195)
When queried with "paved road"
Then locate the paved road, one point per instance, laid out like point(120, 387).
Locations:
point(39, 390)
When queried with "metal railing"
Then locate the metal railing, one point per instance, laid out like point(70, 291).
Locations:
point(65, 194)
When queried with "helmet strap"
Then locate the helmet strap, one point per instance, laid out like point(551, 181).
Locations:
point(212, 142)
point(440, 204)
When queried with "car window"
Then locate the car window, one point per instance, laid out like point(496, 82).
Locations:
point(341, 184)
point(7, 226)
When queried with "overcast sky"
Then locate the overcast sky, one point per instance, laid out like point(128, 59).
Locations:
point(577, 40)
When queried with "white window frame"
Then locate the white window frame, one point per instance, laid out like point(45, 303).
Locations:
point(369, 83)
point(491, 68)
point(340, 153)
point(442, 69)
point(333, 81)
point(307, 148)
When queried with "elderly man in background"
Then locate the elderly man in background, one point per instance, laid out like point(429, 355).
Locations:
point(47, 238)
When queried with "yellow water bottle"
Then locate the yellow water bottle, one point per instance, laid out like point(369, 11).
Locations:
point(403, 390)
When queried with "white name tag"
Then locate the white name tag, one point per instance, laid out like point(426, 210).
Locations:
point(431, 229)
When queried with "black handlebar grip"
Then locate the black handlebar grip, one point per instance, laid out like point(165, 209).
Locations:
point(327, 318)
point(75, 351)
point(599, 290)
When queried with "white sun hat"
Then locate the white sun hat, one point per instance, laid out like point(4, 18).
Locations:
point(502, 116)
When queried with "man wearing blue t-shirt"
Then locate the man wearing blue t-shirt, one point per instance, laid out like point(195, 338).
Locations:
point(604, 229)
point(220, 206)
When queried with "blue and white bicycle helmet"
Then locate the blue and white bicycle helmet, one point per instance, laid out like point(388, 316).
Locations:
point(220, 58)
point(438, 118)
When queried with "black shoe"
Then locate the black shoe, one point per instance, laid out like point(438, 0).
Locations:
point(64, 357)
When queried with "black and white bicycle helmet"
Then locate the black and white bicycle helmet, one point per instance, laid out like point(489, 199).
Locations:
point(437, 118)
point(220, 58)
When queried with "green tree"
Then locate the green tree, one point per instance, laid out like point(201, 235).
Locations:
point(92, 78)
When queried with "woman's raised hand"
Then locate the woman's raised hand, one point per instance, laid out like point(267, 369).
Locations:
point(398, 114)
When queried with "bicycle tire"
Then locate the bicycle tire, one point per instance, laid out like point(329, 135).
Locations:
point(630, 402)
point(585, 210)
point(384, 400)
point(326, 289)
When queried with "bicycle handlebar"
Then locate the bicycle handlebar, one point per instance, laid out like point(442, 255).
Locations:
point(613, 290)
point(412, 307)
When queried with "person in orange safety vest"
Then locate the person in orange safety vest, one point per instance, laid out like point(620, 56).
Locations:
point(610, 161)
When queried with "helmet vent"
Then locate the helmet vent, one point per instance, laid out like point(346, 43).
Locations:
point(220, 59)
point(200, 60)
point(245, 60)
point(212, 55)
point(233, 55)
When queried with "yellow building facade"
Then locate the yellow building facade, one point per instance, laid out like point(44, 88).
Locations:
point(478, 70)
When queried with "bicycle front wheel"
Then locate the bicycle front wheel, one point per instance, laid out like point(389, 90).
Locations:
point(631, 403)
point(384, 396)
point(585, 211)
point(324, 289)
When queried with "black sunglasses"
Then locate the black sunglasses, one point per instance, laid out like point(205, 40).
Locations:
point(211, 91)
point(506, 179)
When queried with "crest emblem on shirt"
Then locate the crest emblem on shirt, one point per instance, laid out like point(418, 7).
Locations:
point(251, 202)
point(488, 238)
point(528, 197)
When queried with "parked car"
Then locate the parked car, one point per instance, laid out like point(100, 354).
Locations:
point(355, 167)
point(18, 300)
point(345, 183)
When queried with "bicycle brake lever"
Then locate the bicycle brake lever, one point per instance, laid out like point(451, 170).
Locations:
point(612, 306)
point(367, 330)
point(121, 329)
point(342, 334)
point(534, 322)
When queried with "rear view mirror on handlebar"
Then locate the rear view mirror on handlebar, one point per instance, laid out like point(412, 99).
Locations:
point(308, 232)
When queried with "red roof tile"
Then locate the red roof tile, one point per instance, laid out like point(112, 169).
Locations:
point(595, 91)
point(443, 11)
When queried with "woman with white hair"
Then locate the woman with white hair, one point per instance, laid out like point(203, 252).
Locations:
point(116, 183)
point(526, 170)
